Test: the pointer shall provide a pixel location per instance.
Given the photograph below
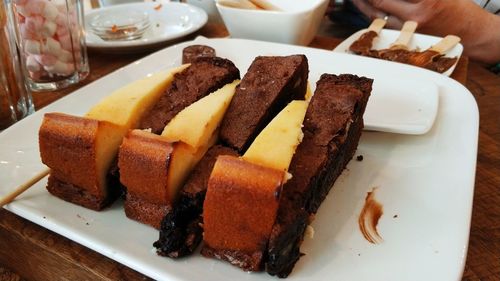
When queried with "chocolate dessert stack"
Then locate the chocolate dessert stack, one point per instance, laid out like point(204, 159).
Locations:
point(270, 238)
point(332, 129)
point(67, 143)
point(268, 86)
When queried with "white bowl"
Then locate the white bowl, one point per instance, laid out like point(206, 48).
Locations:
point(296, 22)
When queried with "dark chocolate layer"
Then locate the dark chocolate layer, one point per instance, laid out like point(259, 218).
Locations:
point(332, 128)
point(80, 196)
point(201, 78)
point(181, 231)
point(268, 86)
point(193, 52)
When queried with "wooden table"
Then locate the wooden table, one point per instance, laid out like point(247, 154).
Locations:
point(35, 253)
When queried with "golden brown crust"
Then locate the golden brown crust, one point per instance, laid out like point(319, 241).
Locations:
point(67, 146)
point(240, 209)
point(143, 161)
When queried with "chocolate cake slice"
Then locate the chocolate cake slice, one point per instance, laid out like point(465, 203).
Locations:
point(193, 52)
point(268, 86)
point(204, 76)
point(181, 231)
point(332, 129)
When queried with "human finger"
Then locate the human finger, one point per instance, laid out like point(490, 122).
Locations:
point(399, 8)
point(368, 10)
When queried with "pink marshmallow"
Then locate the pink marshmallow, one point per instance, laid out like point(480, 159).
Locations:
point(62, 30)
point(34, 7)
point(20, 2)
point(65, 41)
point(34, 24)
point(26, 33)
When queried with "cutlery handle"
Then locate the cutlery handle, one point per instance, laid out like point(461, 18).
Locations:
point(405, 36)
point(377, 25)
point(445, 44)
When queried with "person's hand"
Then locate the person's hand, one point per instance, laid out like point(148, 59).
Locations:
point(477, 27)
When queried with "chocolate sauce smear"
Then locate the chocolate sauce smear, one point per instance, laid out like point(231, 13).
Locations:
point(369, 217)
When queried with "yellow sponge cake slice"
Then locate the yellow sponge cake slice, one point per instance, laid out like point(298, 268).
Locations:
point(154, 176)
point(243, 194)
point(80, 150)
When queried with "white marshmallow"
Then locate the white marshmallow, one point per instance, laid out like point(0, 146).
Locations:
point(32, 47)
point(52, 46)
point(65, 56)
point(62, 20)
point(26, 33)
point(32, 64)
point(49, 28)
point(50, 11)
point(46, 59)
point(60, 68)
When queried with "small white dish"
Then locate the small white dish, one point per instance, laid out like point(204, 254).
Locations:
point(129, 25)
point(404, 107)
point(388, 36)
point(168, 21)
point(296, 22)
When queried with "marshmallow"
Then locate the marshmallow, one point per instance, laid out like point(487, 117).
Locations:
point(20, 2)
point(49, 28)
point(34, 7)
point(62, 30)
point(34, 23)
point(26, 33)
point(50, 12)
point(32, 47)
point(32, 64)
point(62, 20)
point(21, 10)
point(65, 56)
point(52, 46)
point(46, 59)
point(60, 68)
point(65, 41)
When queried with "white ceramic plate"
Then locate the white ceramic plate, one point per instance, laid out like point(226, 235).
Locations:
point(404, 107)
point(426, 180)
point(169, 22)
point(388, 36)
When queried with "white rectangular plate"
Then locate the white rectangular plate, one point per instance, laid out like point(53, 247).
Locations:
point(387, 37)
point(426, 180)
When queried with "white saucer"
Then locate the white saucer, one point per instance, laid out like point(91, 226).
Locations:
point(388, 36)
point(169, 21)
point(402, 107)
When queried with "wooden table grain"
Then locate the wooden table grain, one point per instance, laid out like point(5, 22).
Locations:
point(31, 252)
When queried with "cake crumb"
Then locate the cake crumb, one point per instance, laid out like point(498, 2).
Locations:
point(44, 217)
point(395, 216)
point(87, 223)
point(359, 158)
point(309, 232)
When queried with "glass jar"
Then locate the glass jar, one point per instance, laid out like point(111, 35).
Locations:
point(15, 100)
point(51, 40)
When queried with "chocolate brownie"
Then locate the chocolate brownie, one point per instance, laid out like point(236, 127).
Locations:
point(332, 128)
point(193, 52)
point(181, 231)
point(201, 78)
point(268, 86)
